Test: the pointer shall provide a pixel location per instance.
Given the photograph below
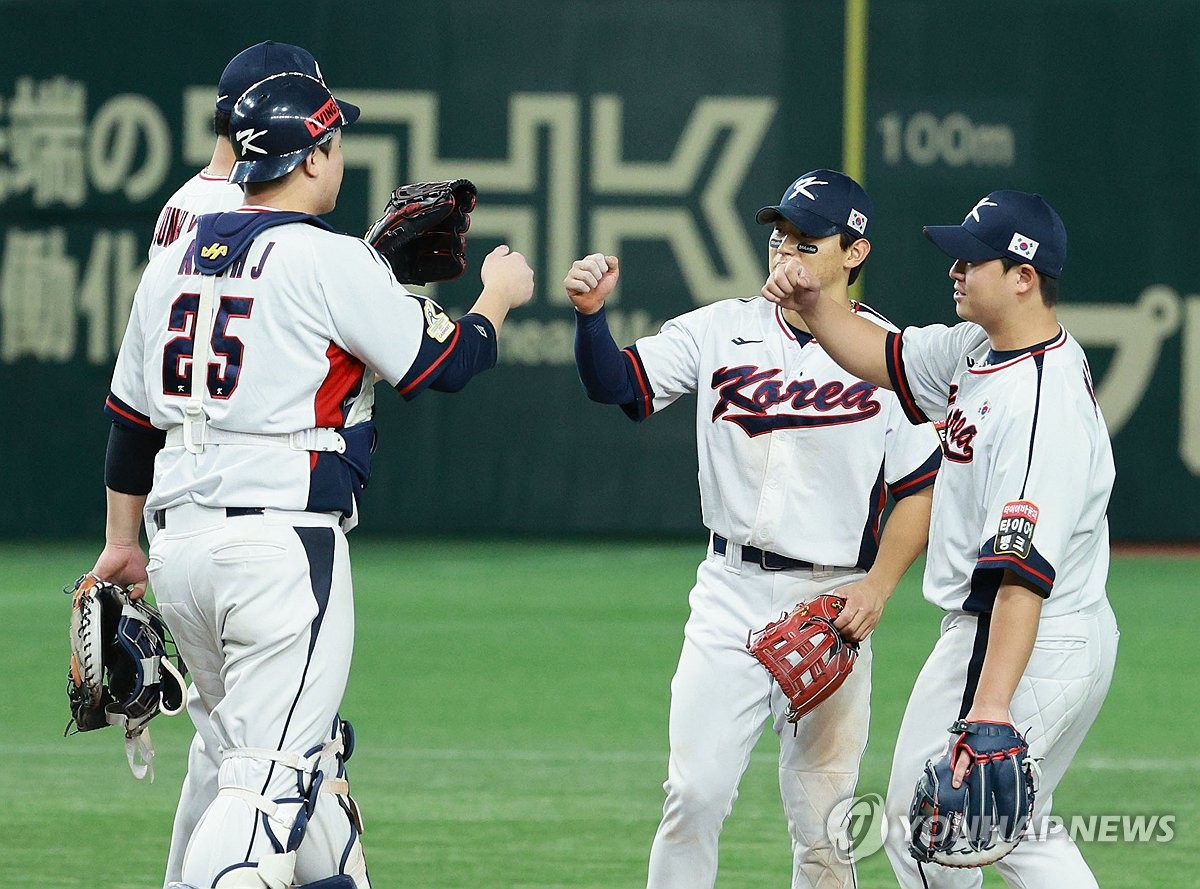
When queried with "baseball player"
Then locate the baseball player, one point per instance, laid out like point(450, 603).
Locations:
point(1018, 554)
point(210, 190)
point(797, 458)
point(241, 403)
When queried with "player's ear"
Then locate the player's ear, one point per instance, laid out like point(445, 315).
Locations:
point(856, 253)
point(311, 160)
point(1027, 279)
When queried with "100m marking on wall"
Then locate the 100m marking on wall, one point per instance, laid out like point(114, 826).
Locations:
point(924, 139)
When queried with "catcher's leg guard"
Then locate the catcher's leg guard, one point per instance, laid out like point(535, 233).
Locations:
point(342, 881)
point(307, 824)
point(270, 872)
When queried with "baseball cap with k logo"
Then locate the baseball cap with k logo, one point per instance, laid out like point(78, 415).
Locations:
point(1015, 224)
point(822, 203)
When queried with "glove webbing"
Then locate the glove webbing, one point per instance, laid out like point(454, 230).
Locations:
point(983, 729)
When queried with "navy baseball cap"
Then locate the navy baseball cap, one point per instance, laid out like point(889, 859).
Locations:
point(278, 121)
point(259, 61)
point(823, 203)
point(1015, 224)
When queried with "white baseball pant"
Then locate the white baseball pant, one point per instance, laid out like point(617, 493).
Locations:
point(721, 700)
point(199, 784)
point(261, 608)
point(1055, 704)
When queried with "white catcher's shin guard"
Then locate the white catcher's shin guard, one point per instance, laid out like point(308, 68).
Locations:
point(341, 881)
point(306, 826)
point(271, 872)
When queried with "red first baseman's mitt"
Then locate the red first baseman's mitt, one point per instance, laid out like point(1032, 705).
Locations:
point(806, 655)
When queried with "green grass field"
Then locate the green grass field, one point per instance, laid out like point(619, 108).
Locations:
point(510, 700)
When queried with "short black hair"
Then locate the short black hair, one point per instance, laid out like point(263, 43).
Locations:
point(846, 239)
point(220, 123)
point(1047, 285)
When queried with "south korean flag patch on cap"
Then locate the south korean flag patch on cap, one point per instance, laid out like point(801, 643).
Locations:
point(1022, 246)
point(857, 221)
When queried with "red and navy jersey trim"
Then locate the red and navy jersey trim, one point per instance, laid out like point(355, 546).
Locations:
point(919, 479)
point(124, 415)
point(894, 355)
point(868, 547)
point(427, 365)
point(989, 571)
point(1037, 352)
point(856, 307)
point(334, 395)
point(643, 406)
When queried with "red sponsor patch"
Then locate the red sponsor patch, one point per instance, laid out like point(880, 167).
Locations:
point(1018, 519)
point(323, 118)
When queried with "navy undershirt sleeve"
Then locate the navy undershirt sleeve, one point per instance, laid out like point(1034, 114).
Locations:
point(607, 373)
point(473, 353)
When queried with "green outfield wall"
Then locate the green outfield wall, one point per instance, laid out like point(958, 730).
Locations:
point(653, 130)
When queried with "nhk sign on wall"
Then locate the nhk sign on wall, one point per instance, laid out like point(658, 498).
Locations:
point(609, 144)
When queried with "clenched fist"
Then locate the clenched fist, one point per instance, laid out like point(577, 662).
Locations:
point(590, 281)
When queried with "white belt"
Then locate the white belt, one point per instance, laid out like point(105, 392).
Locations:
point(317, 439)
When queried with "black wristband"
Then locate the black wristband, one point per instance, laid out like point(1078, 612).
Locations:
point(129, 460)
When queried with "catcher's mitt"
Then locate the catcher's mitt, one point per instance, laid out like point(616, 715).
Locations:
point(421, 232)
point(985, 818)
point(806, 655)
point(120, 671)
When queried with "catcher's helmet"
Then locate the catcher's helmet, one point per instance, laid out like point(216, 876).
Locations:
point(279, 120)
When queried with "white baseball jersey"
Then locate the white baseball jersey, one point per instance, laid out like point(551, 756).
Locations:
point(796, 455)
point(199, 195)
point(303, 322)
point(1028, 466)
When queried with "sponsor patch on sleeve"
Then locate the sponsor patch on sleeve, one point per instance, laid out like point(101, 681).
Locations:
point(1018, 520)
point(437, 324)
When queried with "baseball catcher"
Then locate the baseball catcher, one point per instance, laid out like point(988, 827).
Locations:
point(120, 671)
point(422, 231)
point(984, 818)
point(806, 655)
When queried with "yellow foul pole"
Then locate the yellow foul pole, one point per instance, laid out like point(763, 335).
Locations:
point(854, 107)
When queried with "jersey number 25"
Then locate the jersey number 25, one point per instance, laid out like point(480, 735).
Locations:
point(177, 353)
